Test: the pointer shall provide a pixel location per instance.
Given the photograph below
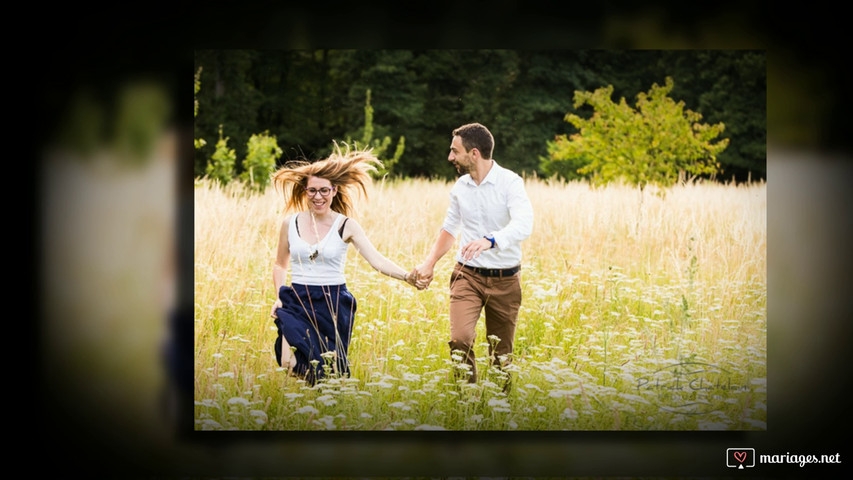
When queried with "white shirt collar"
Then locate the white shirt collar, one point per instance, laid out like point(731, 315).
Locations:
point(490, 177)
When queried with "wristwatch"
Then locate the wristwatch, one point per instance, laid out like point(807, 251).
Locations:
point(491, 239)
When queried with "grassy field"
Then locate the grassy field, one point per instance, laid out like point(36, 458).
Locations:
point(640, 312)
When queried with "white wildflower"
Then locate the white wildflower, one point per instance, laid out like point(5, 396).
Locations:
point(490, 384)
point(757, 423)
point(210, 424)
point(635, 398)
point(327, 422)
point(564, 393)
point(402, 406)
point(381, 384)
point(569, 414)
point(712, 426)
point(429, 427)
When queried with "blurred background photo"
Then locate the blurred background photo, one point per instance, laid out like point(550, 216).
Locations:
point(114, 276)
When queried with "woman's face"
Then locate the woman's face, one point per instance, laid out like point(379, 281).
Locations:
point(320, 193)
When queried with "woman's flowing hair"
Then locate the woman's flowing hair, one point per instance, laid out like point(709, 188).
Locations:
point(348, 171)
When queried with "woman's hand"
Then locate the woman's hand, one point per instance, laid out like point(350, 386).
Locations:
point(275, 306)
point(413, 280)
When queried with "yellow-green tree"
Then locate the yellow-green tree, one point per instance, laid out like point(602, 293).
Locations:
point(656, 142)
point(221, 166)
point(263, 151)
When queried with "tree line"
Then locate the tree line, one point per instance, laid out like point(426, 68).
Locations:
point(406, 102)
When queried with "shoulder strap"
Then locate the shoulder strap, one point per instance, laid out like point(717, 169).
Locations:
point(296, 223)
point(341, 230)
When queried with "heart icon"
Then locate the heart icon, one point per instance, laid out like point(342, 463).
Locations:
point(740, 456)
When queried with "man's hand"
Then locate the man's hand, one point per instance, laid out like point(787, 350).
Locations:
point(473, 249)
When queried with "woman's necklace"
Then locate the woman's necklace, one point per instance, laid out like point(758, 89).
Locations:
point(317, 246)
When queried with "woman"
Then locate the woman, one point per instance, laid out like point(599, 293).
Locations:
point(315, 313)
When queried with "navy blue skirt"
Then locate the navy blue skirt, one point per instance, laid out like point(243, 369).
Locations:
point(316, 320)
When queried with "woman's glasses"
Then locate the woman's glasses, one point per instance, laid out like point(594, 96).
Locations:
point(325, 191)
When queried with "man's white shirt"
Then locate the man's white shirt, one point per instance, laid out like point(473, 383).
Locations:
point(498, 207)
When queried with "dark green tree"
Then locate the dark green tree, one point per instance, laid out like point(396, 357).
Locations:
point(308, 98)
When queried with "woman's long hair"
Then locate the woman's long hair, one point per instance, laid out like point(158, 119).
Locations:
point(348, 171)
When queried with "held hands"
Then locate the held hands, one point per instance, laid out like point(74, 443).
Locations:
point(419, 277)
point(423, 275)
point(413, 279)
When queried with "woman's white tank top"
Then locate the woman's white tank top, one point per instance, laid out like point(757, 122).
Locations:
point(327, 266)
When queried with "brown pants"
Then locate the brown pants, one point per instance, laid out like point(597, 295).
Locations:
point(470, 294)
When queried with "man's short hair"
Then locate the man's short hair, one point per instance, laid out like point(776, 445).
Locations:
point(475, 135)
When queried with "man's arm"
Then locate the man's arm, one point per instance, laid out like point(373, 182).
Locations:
point(520, 225)
point(443, 243)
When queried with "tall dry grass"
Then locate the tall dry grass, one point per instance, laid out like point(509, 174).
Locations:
point(641, 311)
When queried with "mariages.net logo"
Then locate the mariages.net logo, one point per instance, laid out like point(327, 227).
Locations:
point(742, 458)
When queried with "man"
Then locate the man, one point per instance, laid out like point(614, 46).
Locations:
point(491, 215)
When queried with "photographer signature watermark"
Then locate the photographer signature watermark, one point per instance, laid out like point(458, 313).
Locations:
point(684, 380)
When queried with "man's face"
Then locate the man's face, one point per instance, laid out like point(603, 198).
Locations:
point(460, 159)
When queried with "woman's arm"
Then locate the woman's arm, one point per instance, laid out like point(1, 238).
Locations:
point(282, 262)
point(354, 233)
